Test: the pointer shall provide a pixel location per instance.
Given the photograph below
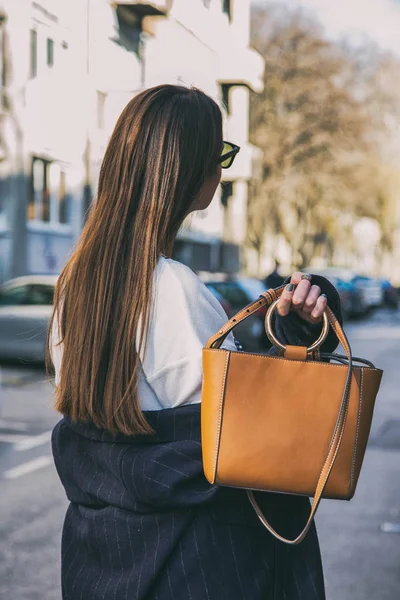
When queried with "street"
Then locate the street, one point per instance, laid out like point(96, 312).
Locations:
point(361, 554)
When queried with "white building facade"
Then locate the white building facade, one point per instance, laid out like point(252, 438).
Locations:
point(68, 69)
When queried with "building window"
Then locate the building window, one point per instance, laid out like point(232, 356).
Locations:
point(225, 89)
point(129, 29)
point(48, 200)
point(36, 210)
point(4, 195)
point(3, 58)
point(33, 53)
point(226, 192)
point(227, 8)
point(62, 200)
point(50, 52)
point(101, 104)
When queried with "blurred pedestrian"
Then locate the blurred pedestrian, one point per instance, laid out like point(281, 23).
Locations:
point(126, 339)
point(274, 279)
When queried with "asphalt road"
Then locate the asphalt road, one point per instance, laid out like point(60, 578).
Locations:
point(361, 557)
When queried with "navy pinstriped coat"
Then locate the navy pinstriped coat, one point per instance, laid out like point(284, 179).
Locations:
point(144, 524)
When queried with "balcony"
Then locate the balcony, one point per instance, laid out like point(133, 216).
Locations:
point(241, 66)
point(141, 8)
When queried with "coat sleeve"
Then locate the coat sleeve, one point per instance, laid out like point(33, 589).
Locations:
point(294, 330)
point(166, 476)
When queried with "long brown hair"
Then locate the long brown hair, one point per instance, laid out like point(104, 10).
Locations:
point(166, 143)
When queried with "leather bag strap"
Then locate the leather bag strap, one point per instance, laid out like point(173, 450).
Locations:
point(333, 446)
point(266, 299)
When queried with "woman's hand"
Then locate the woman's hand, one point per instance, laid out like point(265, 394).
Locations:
point(305, 300)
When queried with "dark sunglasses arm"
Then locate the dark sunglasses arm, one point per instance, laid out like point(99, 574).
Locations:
point(228, 155)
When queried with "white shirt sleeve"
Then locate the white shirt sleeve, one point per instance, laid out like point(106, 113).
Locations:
point(186, 315)
point(56, 352)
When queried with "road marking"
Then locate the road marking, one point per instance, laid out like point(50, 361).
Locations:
point(388, 527)
point(13, 425)
point(32, 441)
point(28, 467)
point(11, 438)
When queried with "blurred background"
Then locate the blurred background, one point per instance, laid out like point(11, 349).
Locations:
point(310, 90)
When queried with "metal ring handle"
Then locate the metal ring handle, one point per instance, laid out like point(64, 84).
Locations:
point(273, 339)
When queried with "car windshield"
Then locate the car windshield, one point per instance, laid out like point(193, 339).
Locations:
point(14, 296)
point(253, 287)
point(30, 294)
point(232, 292)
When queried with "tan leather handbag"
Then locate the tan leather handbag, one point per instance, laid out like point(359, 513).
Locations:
point(290, 423)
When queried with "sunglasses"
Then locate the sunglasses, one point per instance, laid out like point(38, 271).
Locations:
point(228, 155)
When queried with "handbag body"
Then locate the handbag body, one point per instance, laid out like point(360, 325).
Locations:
point(291, 423)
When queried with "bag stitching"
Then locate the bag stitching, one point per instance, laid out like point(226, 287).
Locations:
point(309, 362)
point(347, 392)
point(220, 415)
point(357, 431)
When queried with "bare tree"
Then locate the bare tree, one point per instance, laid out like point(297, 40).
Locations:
point(319, 123)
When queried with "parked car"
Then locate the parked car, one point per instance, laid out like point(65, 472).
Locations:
point(223, 302)
point(254, 288)
point(345, 292)
point(372, 290)
point(353, 294)
point(238, 292)
point(351, 298)
point(26, 305)
point(359, 306)
point(341, 273)
point(390, 294)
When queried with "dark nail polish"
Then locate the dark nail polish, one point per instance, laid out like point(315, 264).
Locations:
point(290, 287)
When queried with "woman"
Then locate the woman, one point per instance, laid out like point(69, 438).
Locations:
point(129, 325)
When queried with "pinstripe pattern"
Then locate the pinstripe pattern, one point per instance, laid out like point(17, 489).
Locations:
point(144, 524)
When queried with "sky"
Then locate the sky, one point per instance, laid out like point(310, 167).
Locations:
point(378, 19)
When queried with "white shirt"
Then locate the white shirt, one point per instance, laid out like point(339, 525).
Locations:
point(186, 315)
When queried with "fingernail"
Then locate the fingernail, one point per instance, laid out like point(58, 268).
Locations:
point(324, 296)
point(290, 287)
